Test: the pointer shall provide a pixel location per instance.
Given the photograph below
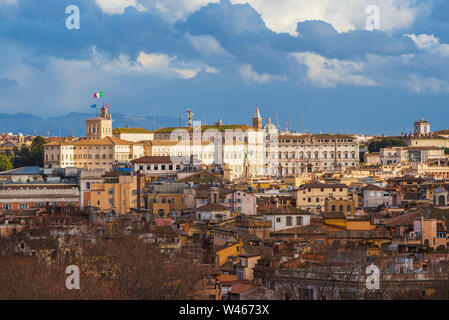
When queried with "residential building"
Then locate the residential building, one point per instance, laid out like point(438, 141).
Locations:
point(133, 134)
point(314, 196)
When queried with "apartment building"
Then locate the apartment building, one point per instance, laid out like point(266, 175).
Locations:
point(314, 196)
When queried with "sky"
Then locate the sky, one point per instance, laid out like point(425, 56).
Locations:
point(221, 58)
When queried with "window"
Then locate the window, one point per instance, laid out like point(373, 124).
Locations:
point(289, 221)
point(299, 221)
point(348, 208)
point(278, 220)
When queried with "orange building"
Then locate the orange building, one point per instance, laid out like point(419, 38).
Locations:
point(117, 192)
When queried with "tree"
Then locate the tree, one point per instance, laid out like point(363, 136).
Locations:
point(37, 151)
point(5, 163)
point(376, 145)
point(30, 156)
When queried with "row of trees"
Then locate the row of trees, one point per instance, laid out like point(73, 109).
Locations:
point(386, 142)
point(24, 156)
point(120, 268)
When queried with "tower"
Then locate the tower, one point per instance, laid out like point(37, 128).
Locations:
point(422, 126)
point(189, 118)
point(257, 119)
point(99, 127)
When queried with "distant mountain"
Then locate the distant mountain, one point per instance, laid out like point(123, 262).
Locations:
point(73, 124)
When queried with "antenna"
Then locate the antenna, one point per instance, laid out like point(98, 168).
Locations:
point(301, 117)
point(276, 117)
point(290, 122)
point(179, 120)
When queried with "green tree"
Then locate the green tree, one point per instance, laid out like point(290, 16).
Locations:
point(30, 156)
point(22, 156)
point(5, 163)
point(37, 151)
point(387, 142)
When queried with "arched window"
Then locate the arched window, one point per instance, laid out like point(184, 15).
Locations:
point(333, 208)
point(289, 221)
point(316, 155)
point(340, 208)
point(348, 208)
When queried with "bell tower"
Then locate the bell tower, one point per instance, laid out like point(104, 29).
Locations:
point(257, 119)
point(99, 127)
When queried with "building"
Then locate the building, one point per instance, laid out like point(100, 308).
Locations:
point(116, 193)
point(286, 217)
point(422, 126)
point(396, 155)
point(133, 134)
point(99, 150)
point(39, 195)
point(91, 153)
point(99, 127)
point(164, 199)
point(306, 153)
point(432, 232)
point(374, 196)
point(314, 195)
point(213, 211)
point(160, 165)
point(372, 158)
point(239, 147)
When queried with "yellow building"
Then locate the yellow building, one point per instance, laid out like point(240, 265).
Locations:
point(99, 127)
point(90, 154)
point(99, 150)
point(164, 203)
point(314, 196)
point(117, 192)
point(232, 250)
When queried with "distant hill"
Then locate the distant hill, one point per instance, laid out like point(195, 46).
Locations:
point(73, 124)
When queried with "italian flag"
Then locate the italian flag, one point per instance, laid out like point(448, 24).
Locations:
point(98, 94)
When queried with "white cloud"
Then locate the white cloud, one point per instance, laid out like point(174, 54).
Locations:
point(249, 75)
point(329, 73)
point(117, 6)
point(160, 65)
point(430, 43)
point(207, 45)
point(73, 81)
point(283, 15)
point(171, 10)
point(9, 2)
point(429, 85)
point(344, 15)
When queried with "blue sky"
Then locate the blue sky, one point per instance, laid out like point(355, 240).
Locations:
point(221, 58)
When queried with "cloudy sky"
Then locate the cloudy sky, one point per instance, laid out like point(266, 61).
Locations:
point(221, 58)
